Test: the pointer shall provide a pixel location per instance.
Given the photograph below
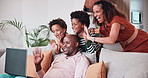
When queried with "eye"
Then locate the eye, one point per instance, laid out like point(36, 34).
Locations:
point(74, 24)
point(67, 42)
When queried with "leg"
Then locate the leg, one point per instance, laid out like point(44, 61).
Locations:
point(6, 76)
point(20, 77)
point(10, 76)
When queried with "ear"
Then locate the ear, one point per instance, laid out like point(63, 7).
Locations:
point(77, 44)
point(84, 25)
point(64, 30)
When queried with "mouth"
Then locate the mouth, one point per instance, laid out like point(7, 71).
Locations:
point(74, 30)
point(57, 36)
point(65, 50)
point(98, 18)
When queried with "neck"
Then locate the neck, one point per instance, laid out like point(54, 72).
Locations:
point(74, 52)
point(81, 34)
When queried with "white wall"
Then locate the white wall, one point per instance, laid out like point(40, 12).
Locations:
point(10, 9)
point(145, 13)
point(37, 12)
point(34, 13)
point(140, 5)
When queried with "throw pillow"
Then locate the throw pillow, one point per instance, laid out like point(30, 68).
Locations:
point(31, 71)
point(96, 70)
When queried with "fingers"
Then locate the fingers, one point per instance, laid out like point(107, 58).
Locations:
point(52, 41)
point(86, 30)
point(33, 53)
point(37, 51)
point(40, 50)
point(42, 55)
point(85, 38)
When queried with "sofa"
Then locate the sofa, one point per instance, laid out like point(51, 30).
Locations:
point(125, 64)
point(113, 64)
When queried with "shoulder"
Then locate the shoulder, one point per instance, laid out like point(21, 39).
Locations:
point(117, 19)
point(82, 58)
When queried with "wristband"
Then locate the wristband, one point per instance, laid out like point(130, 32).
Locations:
point(93, 39)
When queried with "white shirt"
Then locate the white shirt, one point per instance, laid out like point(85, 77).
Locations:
point(68, 67)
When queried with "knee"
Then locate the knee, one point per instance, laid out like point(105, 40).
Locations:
point(6, 76)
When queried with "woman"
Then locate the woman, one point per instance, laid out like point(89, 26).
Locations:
point(79, 19)
point(116, 28)
point(59, 28)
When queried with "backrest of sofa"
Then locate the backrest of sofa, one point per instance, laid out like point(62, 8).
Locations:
point(118, 63)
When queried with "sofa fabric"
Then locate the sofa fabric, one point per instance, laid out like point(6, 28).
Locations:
point(119, 63)
point(139, 71)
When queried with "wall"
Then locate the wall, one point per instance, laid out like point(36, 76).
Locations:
point(141, 6)
point(34, 13)
point(10, 9)
point(145, 17)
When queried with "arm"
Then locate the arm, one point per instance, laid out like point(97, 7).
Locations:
point(111, 39)
point(90, 45)
point(81, 68)
point(38, 57)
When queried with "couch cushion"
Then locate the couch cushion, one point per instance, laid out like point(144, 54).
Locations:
point(31, 71)
point(140, 71)
point(96, 70)
point(118, 63)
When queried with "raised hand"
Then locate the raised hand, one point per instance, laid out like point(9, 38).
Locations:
point(38, 56)
point(85, 38)
point(54, 46)
point(87, 33)
point(91, 30)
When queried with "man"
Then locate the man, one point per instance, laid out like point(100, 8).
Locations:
point(71, 64)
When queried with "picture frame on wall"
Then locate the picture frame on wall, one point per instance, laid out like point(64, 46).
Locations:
point(136, 17)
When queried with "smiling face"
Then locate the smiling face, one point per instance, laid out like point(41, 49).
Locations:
point(58, 31)
point(77, 26)
point(98, 13)
point(70, 45)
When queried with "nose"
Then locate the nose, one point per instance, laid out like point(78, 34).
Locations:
point(95, 15)
point(73, 26)
point(55, 33)
point(64, 45)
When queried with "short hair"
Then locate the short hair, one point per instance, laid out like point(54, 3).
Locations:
point(82, 16)
point(58, 21)
point(74, 37)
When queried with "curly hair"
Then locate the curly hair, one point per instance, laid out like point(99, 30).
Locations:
point(58, 21)
point(109, 10)
point(82, 17)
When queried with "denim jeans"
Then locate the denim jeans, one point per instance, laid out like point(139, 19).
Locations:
point(10, 76)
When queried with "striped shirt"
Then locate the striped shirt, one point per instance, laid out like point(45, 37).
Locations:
point(89, 46)
point(89, 49)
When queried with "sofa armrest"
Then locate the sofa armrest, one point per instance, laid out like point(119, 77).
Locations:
point(31, 71)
